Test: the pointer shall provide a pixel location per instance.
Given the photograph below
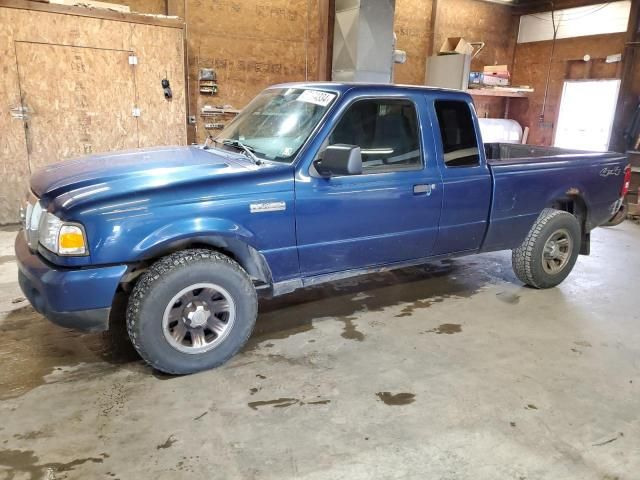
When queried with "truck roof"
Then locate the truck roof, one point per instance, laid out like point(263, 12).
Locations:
point(343, 87)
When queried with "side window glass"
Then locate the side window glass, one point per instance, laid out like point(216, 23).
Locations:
point(386, 132)
point(459, 142)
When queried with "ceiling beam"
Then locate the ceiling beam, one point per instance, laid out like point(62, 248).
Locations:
point(527, 6)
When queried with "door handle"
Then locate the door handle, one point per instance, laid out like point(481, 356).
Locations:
point(424, 188)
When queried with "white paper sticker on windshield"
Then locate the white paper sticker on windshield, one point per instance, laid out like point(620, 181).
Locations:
point(317, 97)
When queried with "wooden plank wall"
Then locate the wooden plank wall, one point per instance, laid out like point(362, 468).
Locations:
point(157, 7)
point(531, 65)
point(413, 30)
point(159, 50)
point(491, 23)
point(630, 85)
point(250, 45)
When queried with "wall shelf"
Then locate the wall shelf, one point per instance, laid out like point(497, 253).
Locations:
point(494, 92)
point(498, 92)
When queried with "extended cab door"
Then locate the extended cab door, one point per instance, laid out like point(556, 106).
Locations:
point(465, 175)
point(387, 214)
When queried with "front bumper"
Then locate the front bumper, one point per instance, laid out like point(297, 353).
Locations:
point(74, 298)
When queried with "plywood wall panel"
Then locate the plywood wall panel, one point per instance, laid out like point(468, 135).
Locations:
point(531, 66)
point(412, 29)
point(14, 165)
point(66, 117)
point(489, 107)
point(158, 7)
point(477, 21)
point(251, 45)
point(276, 19)
point(159, 50)
point(160, 54)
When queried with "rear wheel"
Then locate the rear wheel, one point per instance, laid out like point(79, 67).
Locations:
point(191, 311)
point(550, 250)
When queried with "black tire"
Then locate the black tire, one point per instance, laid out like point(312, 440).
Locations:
point(161, 282)
point(528, 261)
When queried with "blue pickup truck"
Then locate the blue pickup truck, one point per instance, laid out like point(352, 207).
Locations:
point(310, 183)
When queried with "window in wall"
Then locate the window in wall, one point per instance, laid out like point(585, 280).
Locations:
point(386, 132)
point(599, 19)
point(586, 114)
point(459, 142)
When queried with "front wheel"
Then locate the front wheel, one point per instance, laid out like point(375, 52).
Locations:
point(191, 311)
point(550, 250)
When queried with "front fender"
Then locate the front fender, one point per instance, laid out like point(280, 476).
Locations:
point(218, 233)
point(190, 230)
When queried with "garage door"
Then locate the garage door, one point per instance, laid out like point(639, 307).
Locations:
point(75, 100)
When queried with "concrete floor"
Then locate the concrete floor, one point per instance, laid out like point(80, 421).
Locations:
point(451, 371)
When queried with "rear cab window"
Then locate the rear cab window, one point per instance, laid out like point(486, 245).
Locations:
point(387, 132)
point(458, 134)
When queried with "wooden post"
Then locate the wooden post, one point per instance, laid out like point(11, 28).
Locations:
point(434, 26)
point(326, 16)
point(629, 86)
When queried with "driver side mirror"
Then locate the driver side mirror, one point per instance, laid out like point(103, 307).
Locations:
point(340, 159)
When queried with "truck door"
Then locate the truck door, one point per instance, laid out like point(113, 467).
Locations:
point(465, 175)
point(390, 212)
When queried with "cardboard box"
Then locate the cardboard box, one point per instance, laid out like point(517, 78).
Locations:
point(455, 45)
point(495, 69)
point(499, 71)
point(491, 80)
point(448, 71)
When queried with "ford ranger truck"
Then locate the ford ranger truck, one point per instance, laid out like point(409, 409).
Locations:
point(310, 183)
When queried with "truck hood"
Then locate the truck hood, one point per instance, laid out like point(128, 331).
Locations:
point(133, 171)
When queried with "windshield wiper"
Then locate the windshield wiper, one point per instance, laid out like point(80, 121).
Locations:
point(241, 146)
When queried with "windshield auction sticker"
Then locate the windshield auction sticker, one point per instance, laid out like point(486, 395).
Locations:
point(317, 97)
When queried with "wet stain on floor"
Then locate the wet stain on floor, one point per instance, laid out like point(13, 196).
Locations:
point(167, 443)
point(57, 354)
point(350, 331)
point(396, 399)
point(446, 329)
point(277, 403)
point(6, 259)
point(200, 416)
point(285, 402)
point(415, 288)
point(26, 462)
point(608, 441)
point(418, 304)
point(54, 353)
point(32, 435)
point(510, 298)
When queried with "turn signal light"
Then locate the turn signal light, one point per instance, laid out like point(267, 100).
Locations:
point(627, 181)
point(71, 240)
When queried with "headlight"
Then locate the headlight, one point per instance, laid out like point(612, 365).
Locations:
point(61, 238)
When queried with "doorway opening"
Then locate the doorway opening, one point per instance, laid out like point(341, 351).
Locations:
point(586, 114)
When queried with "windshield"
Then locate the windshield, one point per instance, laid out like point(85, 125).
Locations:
point(277, 122)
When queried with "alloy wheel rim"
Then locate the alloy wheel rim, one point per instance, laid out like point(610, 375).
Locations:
point(198, 318)
point(557, 252)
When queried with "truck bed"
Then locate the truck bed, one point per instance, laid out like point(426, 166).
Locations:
point(525, 177)
point(509, 153)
